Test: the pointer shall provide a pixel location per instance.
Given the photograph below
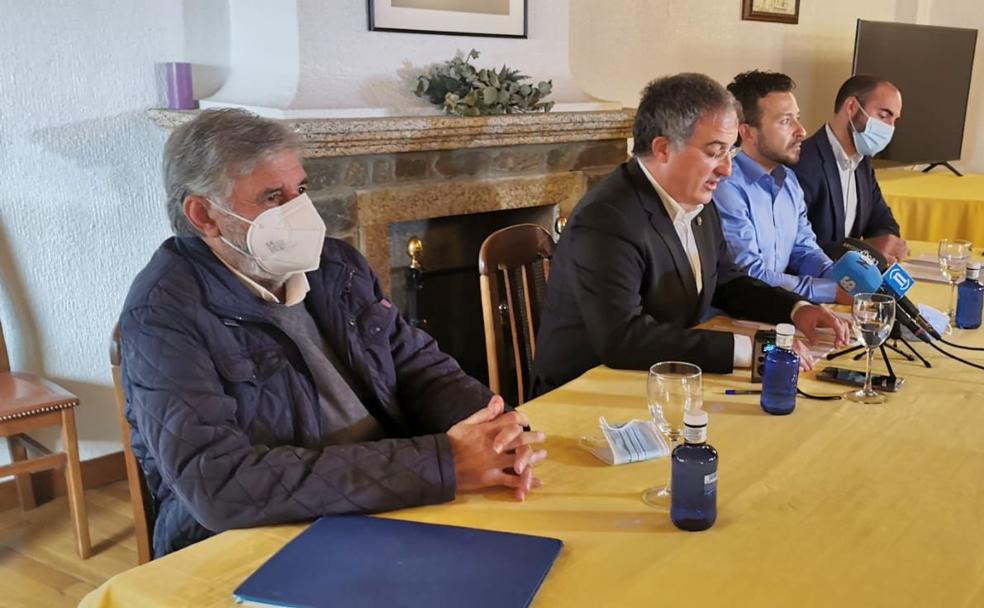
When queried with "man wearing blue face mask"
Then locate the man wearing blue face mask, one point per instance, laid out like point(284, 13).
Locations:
point(842, 195)
point(267, 377)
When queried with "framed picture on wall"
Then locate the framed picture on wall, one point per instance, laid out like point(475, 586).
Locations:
point(777, 11)
point(502, 18)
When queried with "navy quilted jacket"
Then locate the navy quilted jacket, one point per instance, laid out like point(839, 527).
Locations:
point(225, 416)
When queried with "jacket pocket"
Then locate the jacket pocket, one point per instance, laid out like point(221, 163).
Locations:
point(372, 347)
point(254, 367)
point(376, 322)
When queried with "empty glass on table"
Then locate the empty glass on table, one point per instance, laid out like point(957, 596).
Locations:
point(673, 388)
point(953, 255)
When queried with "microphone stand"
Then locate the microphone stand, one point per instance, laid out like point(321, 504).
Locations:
point(895, 336)
point(911, 348)
point(888, 364)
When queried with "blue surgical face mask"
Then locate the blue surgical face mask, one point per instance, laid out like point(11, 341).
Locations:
point(874, 138)
point(633, 441)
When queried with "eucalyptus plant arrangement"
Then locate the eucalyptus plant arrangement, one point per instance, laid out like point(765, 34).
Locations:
point(461, 89)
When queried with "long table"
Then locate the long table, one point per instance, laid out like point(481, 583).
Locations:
point(838, 504)
point(934, 206)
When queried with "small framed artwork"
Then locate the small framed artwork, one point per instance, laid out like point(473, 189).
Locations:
point(777, 11)
point(501, 18)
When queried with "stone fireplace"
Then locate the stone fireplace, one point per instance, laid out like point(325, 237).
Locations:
point(379, 181)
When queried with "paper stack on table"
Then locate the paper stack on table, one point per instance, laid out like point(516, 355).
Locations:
point(924, 267)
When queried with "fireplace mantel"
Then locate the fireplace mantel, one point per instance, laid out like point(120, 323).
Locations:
point(332, 137)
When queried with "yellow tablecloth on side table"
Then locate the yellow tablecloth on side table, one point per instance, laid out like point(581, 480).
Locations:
point(934, 206)
point(838, 504)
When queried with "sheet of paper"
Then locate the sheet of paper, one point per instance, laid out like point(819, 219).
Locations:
point(923, 259)
point(924, 272)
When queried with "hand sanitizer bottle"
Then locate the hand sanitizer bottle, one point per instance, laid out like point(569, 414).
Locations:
point(970, 298)
point(780, 373)
point(693, 485)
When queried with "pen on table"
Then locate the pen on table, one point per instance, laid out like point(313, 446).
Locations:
point(741, 391)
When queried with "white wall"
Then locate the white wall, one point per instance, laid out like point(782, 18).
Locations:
point(313, 58)
point(80, 201)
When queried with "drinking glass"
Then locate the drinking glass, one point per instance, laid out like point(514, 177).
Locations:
point(953, 264)
point(873, 315)
point(673, 388)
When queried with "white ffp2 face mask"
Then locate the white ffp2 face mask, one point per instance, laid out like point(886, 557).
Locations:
point(284, 240)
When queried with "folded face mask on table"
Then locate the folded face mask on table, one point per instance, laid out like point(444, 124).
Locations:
point(938, 319)
point(632, 441)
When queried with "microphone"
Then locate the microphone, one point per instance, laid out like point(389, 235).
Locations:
point(894, 278)
point(897, 282)
point(865, 250)
point(855, 275)
point(856, 271)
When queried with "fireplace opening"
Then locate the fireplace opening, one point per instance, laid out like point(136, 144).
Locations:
point(443, 296)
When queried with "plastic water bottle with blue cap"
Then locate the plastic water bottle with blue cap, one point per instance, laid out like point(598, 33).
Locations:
point(970, 298)
point(693, 503)
point(780, 373)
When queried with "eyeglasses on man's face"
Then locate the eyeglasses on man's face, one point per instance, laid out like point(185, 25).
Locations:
point(721, 153)
point(715, 154)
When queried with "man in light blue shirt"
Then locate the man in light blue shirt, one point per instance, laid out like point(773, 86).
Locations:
point(763, 213)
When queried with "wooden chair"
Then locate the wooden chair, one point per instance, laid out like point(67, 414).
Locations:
point(140, 498)
point(513, 266)
point(28, 403)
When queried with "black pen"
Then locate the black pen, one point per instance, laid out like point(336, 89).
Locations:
point(741, 391)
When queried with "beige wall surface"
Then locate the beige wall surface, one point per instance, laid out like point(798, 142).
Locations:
point(968, 14)
point(617, 46)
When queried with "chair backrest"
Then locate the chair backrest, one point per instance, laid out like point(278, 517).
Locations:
point(4, 361)
point(140, 499)
point(513, 266)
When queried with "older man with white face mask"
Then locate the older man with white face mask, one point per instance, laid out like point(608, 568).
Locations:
point(267, 377)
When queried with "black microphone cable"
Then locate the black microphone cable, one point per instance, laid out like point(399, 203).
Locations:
point(960, 346)
point(803, 393)
point(956, 358)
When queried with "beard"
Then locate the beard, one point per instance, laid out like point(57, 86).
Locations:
point(858, 118)
point(788, 155)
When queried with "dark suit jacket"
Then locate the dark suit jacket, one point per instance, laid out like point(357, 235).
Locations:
point(621, 291)
point(818, 175)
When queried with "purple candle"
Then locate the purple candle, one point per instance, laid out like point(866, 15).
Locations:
point(180, 95)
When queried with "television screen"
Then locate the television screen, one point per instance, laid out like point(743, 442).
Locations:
point(931, 66)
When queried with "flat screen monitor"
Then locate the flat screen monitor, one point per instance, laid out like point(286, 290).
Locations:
point(932, 67)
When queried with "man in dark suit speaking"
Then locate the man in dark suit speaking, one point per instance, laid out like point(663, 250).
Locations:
point(643, 258)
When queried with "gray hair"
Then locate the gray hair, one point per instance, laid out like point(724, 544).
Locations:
point(205, 155)
point(672, 105)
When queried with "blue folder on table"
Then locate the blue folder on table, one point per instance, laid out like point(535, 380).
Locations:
point(367, 561)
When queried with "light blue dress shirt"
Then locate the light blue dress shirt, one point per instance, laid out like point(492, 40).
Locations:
point(763, 216)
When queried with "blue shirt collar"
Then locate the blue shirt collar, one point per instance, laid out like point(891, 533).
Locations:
point(753, 172)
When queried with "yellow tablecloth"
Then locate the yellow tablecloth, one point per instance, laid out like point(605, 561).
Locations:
point(934, 206)
point(838, 504)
